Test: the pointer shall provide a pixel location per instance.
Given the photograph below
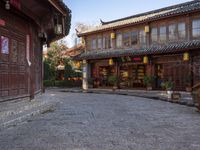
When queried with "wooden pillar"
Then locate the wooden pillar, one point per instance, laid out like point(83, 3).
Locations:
point(113, 40)
point(32, 67)
point(118, 73)
point(85, 75)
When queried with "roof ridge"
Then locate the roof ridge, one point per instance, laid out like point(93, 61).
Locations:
point(152, 11)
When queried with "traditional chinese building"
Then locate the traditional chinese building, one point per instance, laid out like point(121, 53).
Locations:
point(25, 25)
point(70, 53)
point(163, 43)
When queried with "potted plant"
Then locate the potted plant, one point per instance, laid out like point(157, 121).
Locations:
point(168, 86)
point(188, 85)
point(148, 81)
point(112, 80)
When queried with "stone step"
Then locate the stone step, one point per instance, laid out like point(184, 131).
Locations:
point(13, 113)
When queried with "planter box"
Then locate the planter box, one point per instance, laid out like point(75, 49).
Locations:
point(176, 97)
point(196, 90)
point(149, 88)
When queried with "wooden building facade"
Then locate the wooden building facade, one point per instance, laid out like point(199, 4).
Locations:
point(24, 27)
point(163, 43)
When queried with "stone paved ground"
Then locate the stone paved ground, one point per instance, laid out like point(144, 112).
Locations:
point(106, 122)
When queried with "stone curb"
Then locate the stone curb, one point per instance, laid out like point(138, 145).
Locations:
point(132, 94)
point(20, 117)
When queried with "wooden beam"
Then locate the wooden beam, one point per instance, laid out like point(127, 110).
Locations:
point(61, 11)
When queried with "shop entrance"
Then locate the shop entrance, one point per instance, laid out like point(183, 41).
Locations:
point(159, 75)
point(132, 76)
point(104, 73)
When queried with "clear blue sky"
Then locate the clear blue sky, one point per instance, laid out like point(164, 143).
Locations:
point(90, 11)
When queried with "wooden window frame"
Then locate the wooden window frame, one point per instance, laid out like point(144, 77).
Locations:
point(172, 37)
point(163, 26)
point(94, 44)
point(126, 39)
point(154, 34)
point(137, 38)
point(196, 28)
point(180, 31)
point(121, 40)
point(141, 36)
point(99, 45)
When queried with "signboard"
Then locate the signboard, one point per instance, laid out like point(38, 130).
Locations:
point(4, 45)
point(16, 3)
point(137, 59)
point(130, 59)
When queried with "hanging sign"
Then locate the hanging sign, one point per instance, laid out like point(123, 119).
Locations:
point(16, 3)
point(130, 59)
point(4, 45)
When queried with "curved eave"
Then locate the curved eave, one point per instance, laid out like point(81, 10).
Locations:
point(156, 18)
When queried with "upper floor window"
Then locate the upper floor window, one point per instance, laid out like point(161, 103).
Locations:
point(99, 43)
point(106, 42)
point(154, 35)
point(134, 38)
point(142, 38)
point(126, 39)
point(181, 30)
point(163, 31)
point(172, 32)
point(94, 44)
point(119, 40)
point(196, 28)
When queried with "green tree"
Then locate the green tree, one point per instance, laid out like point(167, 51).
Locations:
point(54, 57)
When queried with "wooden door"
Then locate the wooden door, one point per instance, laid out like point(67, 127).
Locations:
point(13, 64)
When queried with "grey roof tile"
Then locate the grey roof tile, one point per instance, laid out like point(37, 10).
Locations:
point(168, 48)
point(148, 16)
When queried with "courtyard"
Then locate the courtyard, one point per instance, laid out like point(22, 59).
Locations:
point(82, 121)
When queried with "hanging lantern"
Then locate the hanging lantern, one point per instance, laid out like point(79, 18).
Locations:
point(186, 56)
point(7, 6)
point(112, 35)
point(145, 60)
point(111, 61)
point(146, 29)
point(78, 64)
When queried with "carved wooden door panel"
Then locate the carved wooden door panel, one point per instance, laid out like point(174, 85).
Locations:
point(4, 63)
point(13, 65)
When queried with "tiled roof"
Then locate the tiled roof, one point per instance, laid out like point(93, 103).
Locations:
point(169, 48)
point(148, 16)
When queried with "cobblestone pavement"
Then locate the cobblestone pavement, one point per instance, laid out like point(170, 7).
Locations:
point(106, 122)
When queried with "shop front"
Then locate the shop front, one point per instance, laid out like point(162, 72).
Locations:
point(131, 71)
point(173, 68)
